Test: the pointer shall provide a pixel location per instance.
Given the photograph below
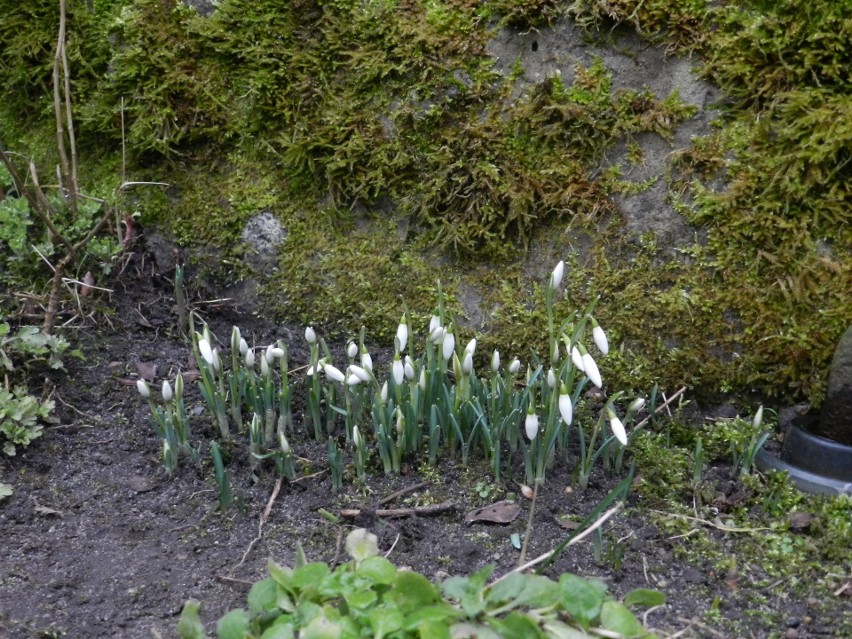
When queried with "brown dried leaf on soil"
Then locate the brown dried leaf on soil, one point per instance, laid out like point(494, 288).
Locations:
point(501, 512)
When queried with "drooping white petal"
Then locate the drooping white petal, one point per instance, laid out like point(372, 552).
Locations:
point(566, 408)
point(600, 339)
point(467, 364)
point(243, 346)
point(514, 366)
point(383, 393)
point(398, 371)
point(142, 387)
point(250, 359)
point(495, 361)
point(577, 359)
point(206, 351)
point(436, 334)
point(448, 346)
point(531, 426)
point(352, 380)
point(167, 391)
point(758, 417)
point(264, 366)
point(421, 382)
point(310, 335)
point(352, 350)
point(362, 373)
point(551, 378)
point(408, 368)
point(590, 368)
point(471, 346)
point(366, 360)
point(618, 429)
point(434, 323)
point(556, 276)
point(402, 333)
point(274, 353)
point(333, 373)
point(356, 437)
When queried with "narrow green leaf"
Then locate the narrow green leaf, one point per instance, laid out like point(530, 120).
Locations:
point(644, 597)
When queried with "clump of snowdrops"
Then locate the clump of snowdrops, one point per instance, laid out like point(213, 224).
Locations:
point(428, 400)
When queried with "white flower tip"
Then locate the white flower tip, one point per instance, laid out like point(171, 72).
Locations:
point(556, 275)
point(600, 339)
point(758, 417)
point(206, 351)
point(167, 391)
point(310, 335)
point(142, 387)
point(495, 361)
point(514, 366)
point(618, 430)
point(531, 426)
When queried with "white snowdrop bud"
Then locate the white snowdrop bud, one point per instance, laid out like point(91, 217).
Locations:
point(250, 359)
point(333, 373)
point(310, 335)
point(167, 391)
point(566, 409)
point(434, 323)
point(206, 351)
point(758, 417)
point(398, 370)
point(179, 385)
point(590, 368)
point(360, 373)
point(421, 382)
point(617, 428)
point(448, 346)
point(264, 366)
point(142, 387)
point(243, 347)
point(514, 366)
point(383, 393)
point(352, 350)
point(467, 364)
point(600, 338)
point(531, 426)
point(495, 361)
point(556, 276)
point(408, 368)
point(471, 346)
point(577, 359)
point(366, 360)
point(402, 333)
point(636, 405)
point(551, 378)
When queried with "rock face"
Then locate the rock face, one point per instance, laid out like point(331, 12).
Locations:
point(836, 419)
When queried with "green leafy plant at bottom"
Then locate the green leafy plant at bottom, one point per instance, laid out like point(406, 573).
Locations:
point(369, 596)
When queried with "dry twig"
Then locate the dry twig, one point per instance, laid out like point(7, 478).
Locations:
point(263, 518)
point(351, 513)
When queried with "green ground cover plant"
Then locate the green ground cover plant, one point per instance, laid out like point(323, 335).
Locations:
point(369, 596)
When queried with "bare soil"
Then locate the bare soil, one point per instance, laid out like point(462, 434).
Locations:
point(97, 541)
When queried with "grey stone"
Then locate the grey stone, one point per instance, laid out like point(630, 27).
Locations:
point(263, 234)
point(836, 417)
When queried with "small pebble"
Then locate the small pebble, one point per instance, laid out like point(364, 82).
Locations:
point(791, 633)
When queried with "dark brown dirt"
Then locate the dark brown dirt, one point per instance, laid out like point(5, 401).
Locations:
point(97, 541)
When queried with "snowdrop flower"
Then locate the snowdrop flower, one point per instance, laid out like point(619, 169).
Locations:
point(514, 366)
point(617, 428)
point(217, 363)
point(531, 424)
point(167, 391)
point(243, 346)
point(566, 409)
point(402, 333)
point(467, 364)
point(495, 361)
point(273, 353)
point(636, 405)
point(556, 276)
point(356, 437)
point(360, 373)
point(422, 381)
point(551, 378)
point(471, 346)
point(758, 417)
point(366, 360)
point(600, 337)
point(142, 387)
point(408, 368)
point(383, 394)
point(352, 379)
point(448, 345)
point(333, 373)
point(591, 370)
point(264, 366)
point(235, 336)
point(434, 323)
point(310, 335)
point(577, 359)
point(437, 334)
point(250, 359)
point(351, 350)
point(398, 370)
point(282, 441)
point(206, 351)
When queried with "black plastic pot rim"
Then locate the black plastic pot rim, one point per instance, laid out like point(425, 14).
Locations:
point(804, 480)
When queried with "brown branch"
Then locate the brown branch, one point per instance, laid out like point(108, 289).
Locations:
point(69, 194)
point(351, 513)
point(72, 138)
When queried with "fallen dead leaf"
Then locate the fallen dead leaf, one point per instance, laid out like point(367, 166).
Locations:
point(568, 524)
point(147, 370)
point(501, 512)
point(800, 521)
